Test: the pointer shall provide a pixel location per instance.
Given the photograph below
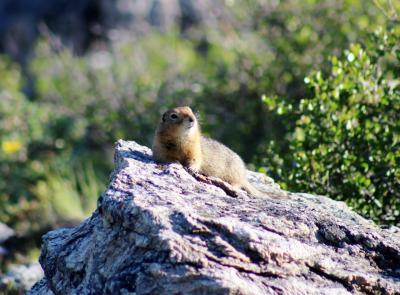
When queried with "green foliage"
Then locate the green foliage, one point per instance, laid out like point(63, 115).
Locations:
point(74, 193)
point(299, 36)
point(346, 138)
point(286, 39)
point(36, 160)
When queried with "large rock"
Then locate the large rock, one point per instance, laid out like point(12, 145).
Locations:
point(158, 230)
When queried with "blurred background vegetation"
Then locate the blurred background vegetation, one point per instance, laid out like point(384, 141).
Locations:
point(306, 91)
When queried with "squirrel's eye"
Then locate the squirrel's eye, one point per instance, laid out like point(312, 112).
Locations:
point(174, 116)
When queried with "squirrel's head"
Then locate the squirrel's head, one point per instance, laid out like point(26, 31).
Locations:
point(180, 121)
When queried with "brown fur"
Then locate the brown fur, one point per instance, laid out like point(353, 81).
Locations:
point(178, 139)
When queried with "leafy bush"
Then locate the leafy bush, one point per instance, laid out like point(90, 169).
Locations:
point(301, 34)
point(346, 139)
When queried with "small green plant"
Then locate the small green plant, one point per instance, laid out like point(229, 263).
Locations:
point(71, 195)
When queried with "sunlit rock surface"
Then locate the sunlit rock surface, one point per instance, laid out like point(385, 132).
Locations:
point(157, 230)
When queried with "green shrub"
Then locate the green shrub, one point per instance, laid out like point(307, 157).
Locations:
point(346, 138)
point(301, 34)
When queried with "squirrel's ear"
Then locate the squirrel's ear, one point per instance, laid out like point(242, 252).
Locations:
point(163, 117)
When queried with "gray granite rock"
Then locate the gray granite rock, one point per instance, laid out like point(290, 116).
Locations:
point(158, 230)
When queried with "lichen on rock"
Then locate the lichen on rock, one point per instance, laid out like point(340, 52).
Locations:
point(157, 230)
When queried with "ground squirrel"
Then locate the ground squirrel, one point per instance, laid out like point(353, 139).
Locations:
point(178, 139)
